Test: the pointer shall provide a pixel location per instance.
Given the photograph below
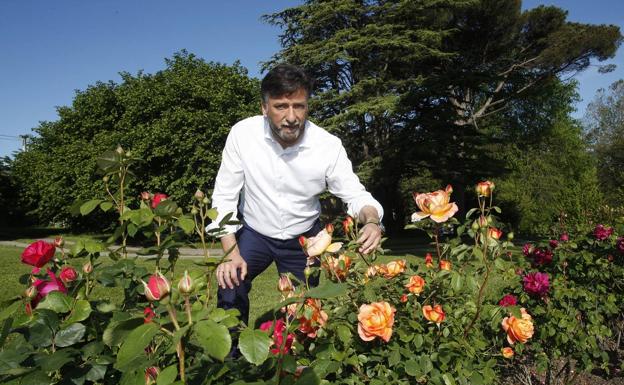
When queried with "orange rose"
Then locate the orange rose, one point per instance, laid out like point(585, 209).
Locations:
point(435, 205)
point(338, 266)
point(518, 329)
point(416, 284)
point(376, 320)
point(428, 260)
point(507, 352)
point(435, 314)
point(484, 189)
point(394, 268)
point(313, 317)
point(445, 265)
point(494, 233)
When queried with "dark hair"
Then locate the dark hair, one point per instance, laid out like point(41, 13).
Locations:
point(284, 79)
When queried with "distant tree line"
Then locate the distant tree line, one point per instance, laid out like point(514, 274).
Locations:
point(422, 93)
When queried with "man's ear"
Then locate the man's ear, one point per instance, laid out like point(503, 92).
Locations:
point(264, 108)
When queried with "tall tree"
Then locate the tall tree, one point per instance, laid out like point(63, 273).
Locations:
point(604, 125)
point(411, 85)
point(176, 120)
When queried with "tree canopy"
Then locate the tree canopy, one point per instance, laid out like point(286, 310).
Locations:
point(175, 120)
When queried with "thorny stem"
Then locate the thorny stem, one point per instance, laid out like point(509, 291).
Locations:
point(187, 305)
point(179, 347)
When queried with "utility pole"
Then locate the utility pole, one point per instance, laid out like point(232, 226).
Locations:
point(25, 139)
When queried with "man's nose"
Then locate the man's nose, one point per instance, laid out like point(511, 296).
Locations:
point(291, 117)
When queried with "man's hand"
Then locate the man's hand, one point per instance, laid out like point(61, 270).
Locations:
point(370, 236)
point(227, 272)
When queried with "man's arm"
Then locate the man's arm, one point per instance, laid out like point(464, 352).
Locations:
point(370, 232)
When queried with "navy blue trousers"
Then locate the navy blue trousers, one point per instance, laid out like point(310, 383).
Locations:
point(259, 251)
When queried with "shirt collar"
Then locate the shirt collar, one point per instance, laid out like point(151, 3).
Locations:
point(305, 142)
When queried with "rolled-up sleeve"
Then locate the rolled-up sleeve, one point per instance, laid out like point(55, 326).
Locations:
point(343, 183)
point(228, 184)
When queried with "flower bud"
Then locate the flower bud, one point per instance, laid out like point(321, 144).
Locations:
point(475, 225)
point(428, 260)
point(157, 287)
point(347, 225)
point(485, 188)
point(495, 233)
point(510, 236)
point(507, 352)
point(31, 292)
point(199, 195)
point(205, 200)
point(105, 178)
point(59, 241)
point(146, 196)
point(185, 286)
point(329, 228)
point(445, 265)
point(564, 237)
point(120, 150)
point(87, 268)
point(194, 211)
point(151, 374)
point(285, 285)
point(403, 298)
point(307, 271)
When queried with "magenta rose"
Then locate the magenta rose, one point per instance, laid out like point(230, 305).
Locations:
point(536, 284)
point(619, 245)
point(45, 287)
point(542, 256)
point(564, 237)
point(553, 243)
point(508, 300)
point(601, 233)
point(278, 336)
point(527, 249)
point(38, 253)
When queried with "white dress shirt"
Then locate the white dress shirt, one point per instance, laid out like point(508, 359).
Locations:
point(279, 188)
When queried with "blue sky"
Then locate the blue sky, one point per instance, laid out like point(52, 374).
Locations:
point(51, 48)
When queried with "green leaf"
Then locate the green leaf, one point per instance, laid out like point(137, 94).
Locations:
point(80, 312)
point(9, 310)
point(186, 224)
point(77, 247)
point(117, 332)
point(54, 361)
point(93, 246)
point(89, 206)
point(327, 290)
point(412, 368)
point(448, 379)
point(456, 282)
point(344, 333)
point(55, 301)
point(214, 338)
point(96, 373)
point(394, 358)
point(69, 335)
point(167, 376)
point(166, 208)
point(254, 345)
point(132, 350)
point(106, 205)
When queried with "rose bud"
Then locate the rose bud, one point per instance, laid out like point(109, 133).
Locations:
point(87, 268)
point(507, 352)
point(307, 272)
point(199, 195)
point(185, 286)
point(303, 241)
point(553, 243)
point(148, 315)
point(194, 211)
point(285, 285)
point(484, 189)
point(205, 200)
point(482, 221)
point(475, 225)
point(151, 374)
point(445, 265)
point(495, 233)
point(428, 260)
point(564, 237)
point(120, 150)
point(68, 274)
point(146, 196)
point(59, 241)
point(31, 292)
point(347, 225)
point(510, 236)
point(157, 287)
point(329, 228)
point(106, 178)
point(403, 298)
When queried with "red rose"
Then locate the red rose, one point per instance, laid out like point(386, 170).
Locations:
point(508, 300)
point(38, 253)
point(68, 274)
point(158, 197)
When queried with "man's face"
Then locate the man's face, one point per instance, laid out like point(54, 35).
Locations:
point(287, 116)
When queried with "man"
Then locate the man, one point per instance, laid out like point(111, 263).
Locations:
point(272, 171)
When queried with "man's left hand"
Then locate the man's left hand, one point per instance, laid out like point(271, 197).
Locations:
point(370, 236)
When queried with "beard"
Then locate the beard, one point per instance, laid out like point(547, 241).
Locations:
point(287, 134)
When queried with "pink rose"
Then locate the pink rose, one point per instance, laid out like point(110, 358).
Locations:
point(279, 327)
point(564, 237)
point(38, 253)
point(553, 243)
point(601, 233)
point(619, 245)
point(508, 300)
point(527, 249)
point(46, 287)
point(536, 284)
point(68, 274)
